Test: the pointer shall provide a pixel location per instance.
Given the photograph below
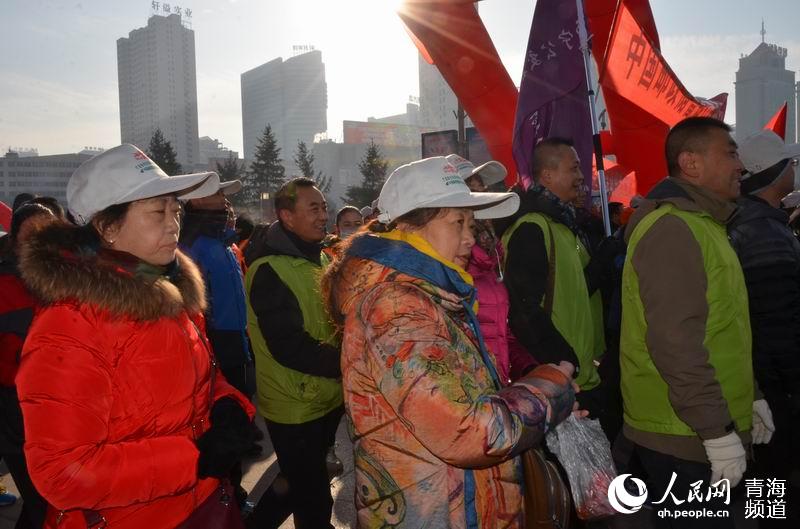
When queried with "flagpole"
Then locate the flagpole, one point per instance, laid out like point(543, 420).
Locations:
point(598, 148)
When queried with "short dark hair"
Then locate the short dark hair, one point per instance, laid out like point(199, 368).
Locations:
point(544, 155)
point(20, 199)
point(690, 135)
point(286, 196)
point(615, 207)
point(51, 204)
point(345, 209)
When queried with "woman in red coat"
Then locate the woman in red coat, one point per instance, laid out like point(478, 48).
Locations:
point(127, 418)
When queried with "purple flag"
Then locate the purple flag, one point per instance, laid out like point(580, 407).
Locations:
point(553, 98)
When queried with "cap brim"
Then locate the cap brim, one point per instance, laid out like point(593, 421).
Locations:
point(491, 172)
point(792, 150)
point(792, 200)
point(486, 205)
point(185, 187)
point(230, 187)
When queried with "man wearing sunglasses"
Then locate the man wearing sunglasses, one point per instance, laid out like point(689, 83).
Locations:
point(770, 258)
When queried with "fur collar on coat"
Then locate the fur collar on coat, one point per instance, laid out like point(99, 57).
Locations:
point(58, 265)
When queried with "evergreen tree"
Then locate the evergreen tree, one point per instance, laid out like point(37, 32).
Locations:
point(266, 173)
point(231, 169)
point(161, 152)
point(373, 168)
point(304, 160)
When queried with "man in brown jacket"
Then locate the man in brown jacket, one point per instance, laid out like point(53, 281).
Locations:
point(685, 350)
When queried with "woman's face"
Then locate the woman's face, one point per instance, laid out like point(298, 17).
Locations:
point(349, 223)
point(475, 183)
point(149, 230)
point(450, 234)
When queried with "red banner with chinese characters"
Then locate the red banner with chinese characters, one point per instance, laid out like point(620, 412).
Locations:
point(635, 69)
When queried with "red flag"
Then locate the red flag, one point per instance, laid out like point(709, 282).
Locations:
point(600, 14)
point(634, 69)
point(457, 41)
point(777, 123)
point(620, 181)
point(5, 217)
point(625, 190)
point(639, 127)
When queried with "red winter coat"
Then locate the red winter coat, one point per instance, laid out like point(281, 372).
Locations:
point(493, 304)
point(16, 310)
point(115, 385)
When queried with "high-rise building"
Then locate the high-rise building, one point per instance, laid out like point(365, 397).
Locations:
point(437, 101)
point(411, 117)
point(212, 149)
point(292, 97)
point(763, 84)
point(39, 175)
point(158, 86)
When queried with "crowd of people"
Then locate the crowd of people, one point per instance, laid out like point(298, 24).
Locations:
point(453, 323)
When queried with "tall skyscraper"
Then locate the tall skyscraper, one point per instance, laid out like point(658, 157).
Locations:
point(292, 97)
point(158, 86)
point(762, 85)
point(437, 102)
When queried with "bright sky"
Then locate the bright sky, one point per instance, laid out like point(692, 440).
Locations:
point(58, 66)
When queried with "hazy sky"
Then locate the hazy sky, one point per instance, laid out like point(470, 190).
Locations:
point(58, 59)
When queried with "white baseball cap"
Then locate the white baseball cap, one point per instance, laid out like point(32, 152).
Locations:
point(231, 187)
point(435, 183)
point(124, 174)
point(491, 172)
point(762, 150)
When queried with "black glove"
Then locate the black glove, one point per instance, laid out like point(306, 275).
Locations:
point(230, 436)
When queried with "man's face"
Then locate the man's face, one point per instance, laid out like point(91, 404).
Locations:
point(309, 217)
point(565, 179)
point(785, 183)
point(718, 168)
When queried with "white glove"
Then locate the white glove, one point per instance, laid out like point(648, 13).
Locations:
point(728, 459)
point(763, 426)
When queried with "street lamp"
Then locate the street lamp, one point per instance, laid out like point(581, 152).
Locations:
point(264, 196)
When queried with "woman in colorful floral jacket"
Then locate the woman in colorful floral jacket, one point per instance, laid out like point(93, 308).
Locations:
point(436, 439)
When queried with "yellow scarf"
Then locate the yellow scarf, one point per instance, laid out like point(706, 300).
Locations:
point(423, 246)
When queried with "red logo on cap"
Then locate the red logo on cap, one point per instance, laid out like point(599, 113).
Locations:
point(139, 155)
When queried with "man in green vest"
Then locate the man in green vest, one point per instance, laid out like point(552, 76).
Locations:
point(556, 311)
point(297, 357)
point(685, 349)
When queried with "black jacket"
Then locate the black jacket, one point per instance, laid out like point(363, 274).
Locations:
point(526, 272)
point(770, 258)
point(279, 316)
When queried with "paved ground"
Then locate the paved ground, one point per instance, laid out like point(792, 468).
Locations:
point(259, 474)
